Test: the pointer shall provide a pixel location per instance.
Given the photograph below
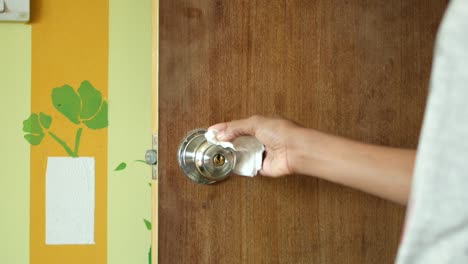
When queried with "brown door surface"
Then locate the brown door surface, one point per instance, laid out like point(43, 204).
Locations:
point(354, 68)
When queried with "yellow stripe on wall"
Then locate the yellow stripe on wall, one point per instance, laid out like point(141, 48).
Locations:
point(69, 45)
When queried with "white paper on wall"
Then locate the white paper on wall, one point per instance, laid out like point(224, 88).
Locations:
point(70, 200)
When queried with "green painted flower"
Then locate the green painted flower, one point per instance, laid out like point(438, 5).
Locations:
point(87, 106)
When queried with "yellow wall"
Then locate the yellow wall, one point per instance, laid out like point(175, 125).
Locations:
point(15, 83)
point(69, 45)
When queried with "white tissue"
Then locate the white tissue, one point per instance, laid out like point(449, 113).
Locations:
point(249, 152)
point(212, 137)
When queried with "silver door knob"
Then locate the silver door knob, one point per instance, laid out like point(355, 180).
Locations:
point(204, 162)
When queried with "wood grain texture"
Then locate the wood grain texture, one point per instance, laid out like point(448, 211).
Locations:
point(354, 68)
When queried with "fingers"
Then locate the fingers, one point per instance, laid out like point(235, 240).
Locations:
point(243, 127)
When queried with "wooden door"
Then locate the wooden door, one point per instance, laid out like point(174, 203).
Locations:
point(354, 68)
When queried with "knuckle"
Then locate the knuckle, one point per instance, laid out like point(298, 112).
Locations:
point(228, 127)
point(256, 118)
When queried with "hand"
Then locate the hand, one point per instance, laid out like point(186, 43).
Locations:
point(274, 133)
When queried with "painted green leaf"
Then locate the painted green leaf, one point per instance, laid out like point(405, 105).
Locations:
point(34, 131)
point(100, 119)
point(46, 120)
point(67, 102)
point(147, 223)
point(149, 184)
point(142, 161)
point(121, 166)
point(31, 125)
point(34, 139)
point(91, 100)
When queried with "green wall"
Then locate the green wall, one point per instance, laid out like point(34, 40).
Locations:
point(15, 87)
point(129, 197)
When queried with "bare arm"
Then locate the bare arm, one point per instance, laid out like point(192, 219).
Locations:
point(382, 171)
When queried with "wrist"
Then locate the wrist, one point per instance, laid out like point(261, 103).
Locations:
point(297, 150)
point(311, 152)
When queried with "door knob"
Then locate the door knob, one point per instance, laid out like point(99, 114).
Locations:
point(202, 161)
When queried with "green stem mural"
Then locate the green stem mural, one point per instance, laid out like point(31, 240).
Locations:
point(77, 140)
point(63, 144)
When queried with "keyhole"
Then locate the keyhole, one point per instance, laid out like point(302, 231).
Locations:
point(219, 160)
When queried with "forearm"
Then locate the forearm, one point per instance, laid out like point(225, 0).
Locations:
point(383, 171)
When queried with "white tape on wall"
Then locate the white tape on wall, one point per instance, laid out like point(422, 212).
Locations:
point(70, 200)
